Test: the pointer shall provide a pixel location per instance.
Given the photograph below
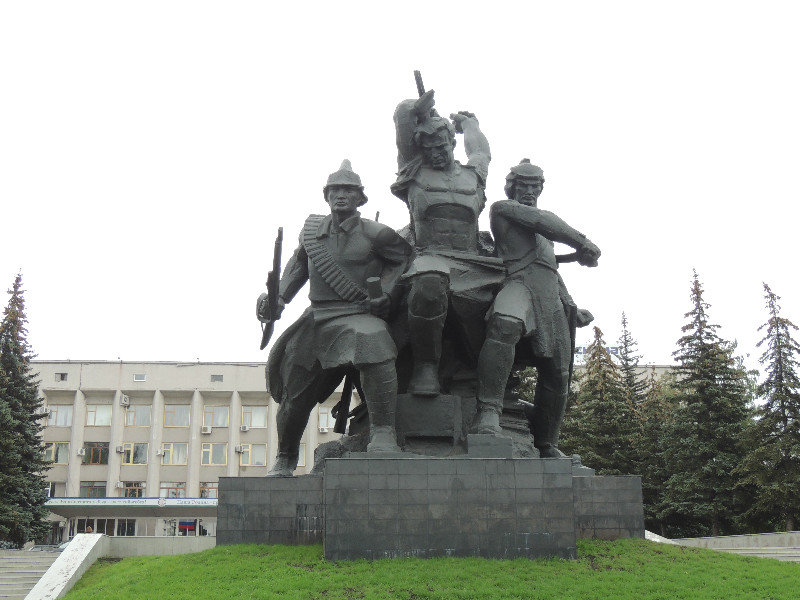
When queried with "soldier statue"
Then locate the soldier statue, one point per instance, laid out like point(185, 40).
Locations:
point(533, 307)
point(444, 198)
point(353, 265)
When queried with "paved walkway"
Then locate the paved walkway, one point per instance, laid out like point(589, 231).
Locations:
point(788, 554)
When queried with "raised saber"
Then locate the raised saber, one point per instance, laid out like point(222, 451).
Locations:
point(420, 86)
point(267, 305)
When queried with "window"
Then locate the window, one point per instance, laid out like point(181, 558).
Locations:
point(140, 377)
point(176, 415)
point(174, 454)
point(83, 524)
point(214, 454)
point(134, 454)
point(254, 416)
point(96, 453)
point(57, 452)
point(61, 376)
point(209, 489)
point(98, 415)
point(138, 416)
point(172, 489)
point(105, 526)
point(132, 489)
point(60, 415)
point(215, 416)
point(253, 455)
point(50, 489)
point(126, 527)
point(301, 462)
point(326, 420)
point(93, 489)
point(216, 378)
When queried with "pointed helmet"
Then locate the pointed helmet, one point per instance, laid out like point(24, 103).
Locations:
point(345, 176)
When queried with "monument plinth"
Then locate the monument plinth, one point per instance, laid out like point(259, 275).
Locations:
point(365, 507)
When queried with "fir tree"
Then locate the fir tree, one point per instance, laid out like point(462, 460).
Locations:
point(772, 465)
point(706, 433)
point(599, 425)
point(633, 381)
point(22, 511)
point(654, 422)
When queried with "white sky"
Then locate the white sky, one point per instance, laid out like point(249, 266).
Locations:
point(150, 150)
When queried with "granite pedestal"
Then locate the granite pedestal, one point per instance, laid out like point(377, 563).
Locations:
point(392, 507)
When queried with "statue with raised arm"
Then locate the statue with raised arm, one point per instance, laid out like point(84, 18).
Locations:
point(448, 272)
point(353, 265)
point(532, 308)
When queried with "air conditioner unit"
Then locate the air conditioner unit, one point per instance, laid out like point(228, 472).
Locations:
point(82, 452)
point(238, 448)
point(42, 411)
point(244, 428)
point(124, 400)
point(205, 429)
point(159, 453)
point(144, 485)
point(119, 484)
point(323, 430)
point(120, 449)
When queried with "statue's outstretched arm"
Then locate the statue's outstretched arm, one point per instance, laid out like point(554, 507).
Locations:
point(545, 223)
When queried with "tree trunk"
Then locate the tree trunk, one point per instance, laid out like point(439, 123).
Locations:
point(715, 526)
point(789, 523)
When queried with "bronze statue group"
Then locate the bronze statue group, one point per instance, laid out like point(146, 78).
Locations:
point(444, 296)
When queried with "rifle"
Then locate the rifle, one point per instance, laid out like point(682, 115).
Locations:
point(341, 412)
point(267, 304)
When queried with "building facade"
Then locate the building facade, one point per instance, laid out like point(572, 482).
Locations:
point(137, 448)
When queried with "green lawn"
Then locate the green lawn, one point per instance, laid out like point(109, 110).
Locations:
point(631, 569)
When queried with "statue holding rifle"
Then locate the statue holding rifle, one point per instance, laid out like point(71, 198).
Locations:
point(353, 265)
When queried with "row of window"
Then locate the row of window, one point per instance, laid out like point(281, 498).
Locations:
point(136, 489)
point(172, 453)
point(139, 377)
point(175, 415)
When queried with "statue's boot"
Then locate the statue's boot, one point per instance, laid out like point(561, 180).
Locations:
point(550, 452)
point(380, 388)
point(549, 403)
point(284, 466)
point(426, 347)
point(494, 366)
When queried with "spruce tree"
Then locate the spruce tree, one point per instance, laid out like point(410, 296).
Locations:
point(706, 433)
point(599, 425)
point(633, 381)
point(772, 465)
point(22, 464)
point(654, 422)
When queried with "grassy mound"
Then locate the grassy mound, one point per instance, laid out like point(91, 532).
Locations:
point(630, 569)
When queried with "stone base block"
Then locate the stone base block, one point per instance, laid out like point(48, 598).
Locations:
point(608, 507)
point(426, 507)
point(489, 446)
point(421, 417)
point(270, 510)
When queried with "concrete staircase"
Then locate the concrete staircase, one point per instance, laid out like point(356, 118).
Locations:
point(787, 554)
point(20, 570)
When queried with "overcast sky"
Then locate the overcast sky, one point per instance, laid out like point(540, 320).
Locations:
point(150, 150)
